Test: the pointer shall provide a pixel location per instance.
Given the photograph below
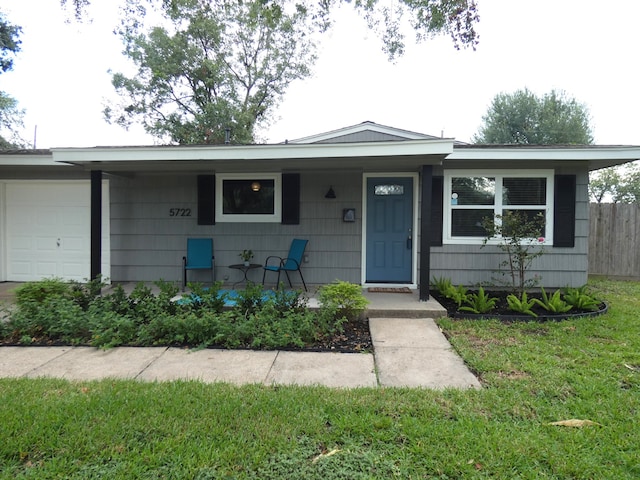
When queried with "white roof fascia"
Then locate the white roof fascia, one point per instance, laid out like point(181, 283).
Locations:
point(26, 160)
point(253, 152)
point(623, 153)
point(362, 127)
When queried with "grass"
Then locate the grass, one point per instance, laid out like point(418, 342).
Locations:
point(533, 374)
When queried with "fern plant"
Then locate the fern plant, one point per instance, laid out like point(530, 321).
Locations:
point(458, 294)
point(521, 304)
point(442, 285)
point(553, 303)
point(479, 302)
point(445, 287)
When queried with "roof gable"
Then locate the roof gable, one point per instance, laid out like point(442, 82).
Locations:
point(364, 132)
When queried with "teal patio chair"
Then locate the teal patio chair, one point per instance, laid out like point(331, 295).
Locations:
point(199, 257)
point(291, 263)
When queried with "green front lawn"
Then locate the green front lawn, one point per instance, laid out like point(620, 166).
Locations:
point(533, 374)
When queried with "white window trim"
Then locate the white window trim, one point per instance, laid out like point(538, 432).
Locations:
point(446, 214)
point(276, 217)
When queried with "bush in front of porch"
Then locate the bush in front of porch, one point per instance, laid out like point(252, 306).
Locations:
point(54, 312)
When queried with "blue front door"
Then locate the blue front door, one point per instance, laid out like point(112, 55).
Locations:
point(389, 240)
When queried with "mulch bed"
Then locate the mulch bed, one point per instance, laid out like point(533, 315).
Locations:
point(503, 312)
point(355, 338)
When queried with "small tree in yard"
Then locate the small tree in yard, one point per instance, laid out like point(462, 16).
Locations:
point(521, 238)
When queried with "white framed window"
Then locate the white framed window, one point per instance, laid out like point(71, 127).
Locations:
point(255, 197)
point(470, 196)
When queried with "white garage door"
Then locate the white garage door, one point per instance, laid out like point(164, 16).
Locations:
point(48, 230)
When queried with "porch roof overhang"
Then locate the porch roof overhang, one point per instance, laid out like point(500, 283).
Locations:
point(594, 157)
point(390, 155)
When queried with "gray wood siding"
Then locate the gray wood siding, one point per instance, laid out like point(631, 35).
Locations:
point(471, 265)
point(147, 244)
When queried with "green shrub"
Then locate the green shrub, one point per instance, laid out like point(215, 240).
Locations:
point(112, 330)
point(72, 313)
point(204, 298)
point(83, 294)
point(31, 296)
point(343, 298)
point(55, 319)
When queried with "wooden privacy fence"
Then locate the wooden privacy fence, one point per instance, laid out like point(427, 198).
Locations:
point(614, 240)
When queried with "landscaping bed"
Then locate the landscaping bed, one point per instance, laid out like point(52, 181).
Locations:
point(503, 311)
point(53, 312)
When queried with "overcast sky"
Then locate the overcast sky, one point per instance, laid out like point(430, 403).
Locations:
point(587, 48)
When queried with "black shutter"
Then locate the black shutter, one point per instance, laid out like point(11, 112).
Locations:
point(437, 191)
point(206, 199)
point(291, 198)
point(564, 211)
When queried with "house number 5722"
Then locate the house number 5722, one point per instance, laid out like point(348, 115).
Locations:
point(179, 212)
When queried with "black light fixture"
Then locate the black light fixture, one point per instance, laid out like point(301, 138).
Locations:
point(330, 193)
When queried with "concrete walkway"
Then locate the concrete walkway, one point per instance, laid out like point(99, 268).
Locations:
point(408, 352)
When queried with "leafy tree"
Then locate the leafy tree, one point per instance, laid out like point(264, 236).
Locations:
point(629, 189)
point(9, 43)
point(217, 65)
point(78, 7)
point(11, 121)
point(224, 64)
point(10, 115)
point(603, 184)
point(456, 18)
point(619, 184)
point(524, 118)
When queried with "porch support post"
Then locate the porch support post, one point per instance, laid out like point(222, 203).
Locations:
point(424, 268)
point(96, 223)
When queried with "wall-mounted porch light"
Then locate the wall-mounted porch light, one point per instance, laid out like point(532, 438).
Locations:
point(330, 193)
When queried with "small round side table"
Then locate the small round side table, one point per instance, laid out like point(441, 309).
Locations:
point(244, 269)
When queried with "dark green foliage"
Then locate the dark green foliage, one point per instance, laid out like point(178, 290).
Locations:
point(72, 313)
point(210, 66)
point(619, 184)
point(524, 118)
point(9, 43)
point(11, 117)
